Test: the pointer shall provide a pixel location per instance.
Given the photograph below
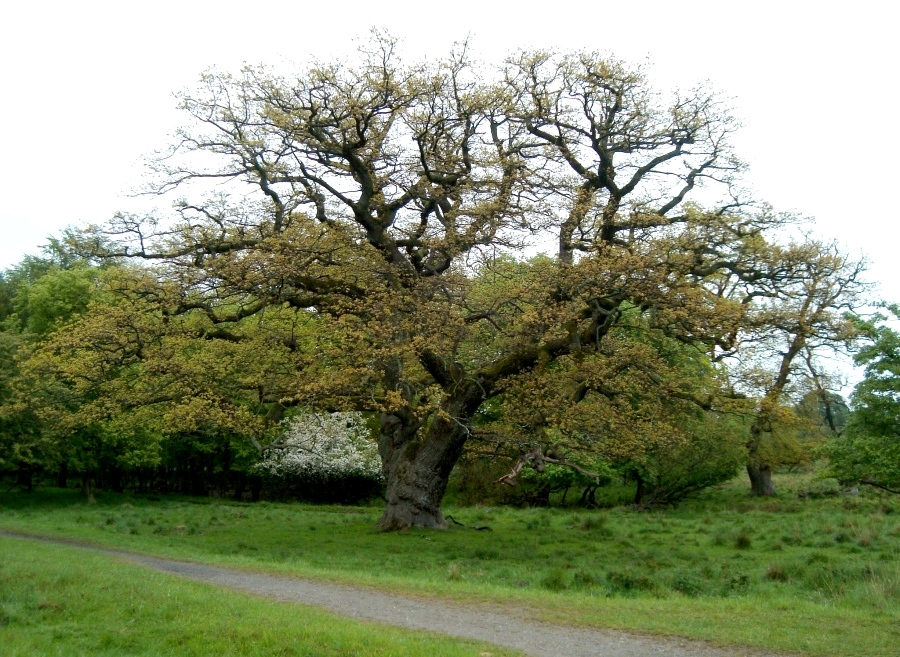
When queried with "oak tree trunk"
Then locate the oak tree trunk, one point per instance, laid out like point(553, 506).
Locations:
point(417, 464)
point(760, 473)
point(760, 480)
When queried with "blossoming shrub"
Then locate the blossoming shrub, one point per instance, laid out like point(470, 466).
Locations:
point(324, 457)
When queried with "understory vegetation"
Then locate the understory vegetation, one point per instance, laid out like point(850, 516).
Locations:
point(812, 571)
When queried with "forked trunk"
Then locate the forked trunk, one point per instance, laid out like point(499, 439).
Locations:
point(417, 465)
point(760, 480)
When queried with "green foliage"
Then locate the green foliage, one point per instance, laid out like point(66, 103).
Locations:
point(534, 487)
point(869, 449)
point(649, 409)
point(711, 451)
point(37, 296)
point(797, 433)
point(825, 412)
point(98, 382)
point(54, 299)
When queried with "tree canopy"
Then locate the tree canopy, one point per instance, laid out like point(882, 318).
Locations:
point(393, 210)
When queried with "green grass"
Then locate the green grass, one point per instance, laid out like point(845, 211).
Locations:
point(61, 601)
point(820, 576)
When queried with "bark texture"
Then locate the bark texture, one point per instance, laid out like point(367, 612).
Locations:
point(760, 480)
point(417, 462)
point(759, 472)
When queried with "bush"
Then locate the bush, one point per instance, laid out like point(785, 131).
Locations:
point(324, 457)
point(743, 541)
point(689, 584)
point(626, 581)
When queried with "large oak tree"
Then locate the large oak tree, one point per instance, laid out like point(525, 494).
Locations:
point(375, 195)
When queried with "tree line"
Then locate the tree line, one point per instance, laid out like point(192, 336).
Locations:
point(545, 264)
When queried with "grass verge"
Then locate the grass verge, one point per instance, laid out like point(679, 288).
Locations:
point(57, 600)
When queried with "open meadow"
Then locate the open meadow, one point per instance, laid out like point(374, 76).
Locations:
point(815, 575)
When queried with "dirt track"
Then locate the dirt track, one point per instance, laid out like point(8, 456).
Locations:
point(498, 625)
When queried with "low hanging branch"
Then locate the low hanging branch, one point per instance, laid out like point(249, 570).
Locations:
point(538, 459)
point(875, 484)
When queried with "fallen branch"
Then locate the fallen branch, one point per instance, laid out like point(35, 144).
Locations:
point(477, 528)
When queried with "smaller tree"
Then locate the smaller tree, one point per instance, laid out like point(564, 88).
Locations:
point(709, 452)
point(868, 451)
point(795, 312)
point(325, 457)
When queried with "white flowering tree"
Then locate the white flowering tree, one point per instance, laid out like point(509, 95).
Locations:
point(326, 456)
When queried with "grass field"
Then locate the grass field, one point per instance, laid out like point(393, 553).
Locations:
point(57, 600)
point(819, 576)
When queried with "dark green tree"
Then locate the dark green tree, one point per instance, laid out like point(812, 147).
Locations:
point(37, 296)
point(868, 451)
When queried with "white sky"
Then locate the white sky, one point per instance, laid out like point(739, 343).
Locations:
point(87, 90)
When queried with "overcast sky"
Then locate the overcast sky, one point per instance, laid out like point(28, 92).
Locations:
point(88, 90)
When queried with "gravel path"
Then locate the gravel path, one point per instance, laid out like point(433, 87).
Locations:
point(498, 625)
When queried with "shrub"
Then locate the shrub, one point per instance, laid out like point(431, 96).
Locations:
point(324, 457)
point(555, 580)
point(710, 452)
point(743, 541)
point(624, 581)
point(689, 584)
point(868, 451)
